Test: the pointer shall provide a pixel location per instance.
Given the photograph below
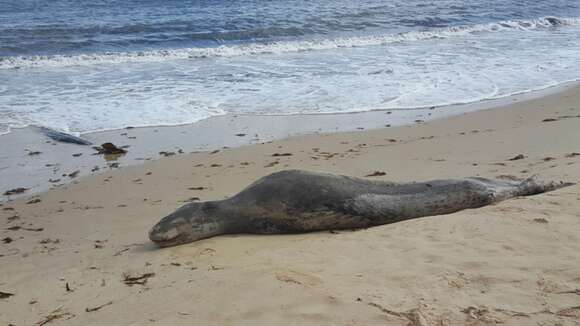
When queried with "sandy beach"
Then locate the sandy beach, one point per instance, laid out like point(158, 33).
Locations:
point(79, 254)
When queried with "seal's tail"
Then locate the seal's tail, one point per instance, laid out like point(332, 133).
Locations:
point(528, 187)
point(534, 185)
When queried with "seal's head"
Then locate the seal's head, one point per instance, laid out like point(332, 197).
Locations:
point(191, 222)
point(173, 229)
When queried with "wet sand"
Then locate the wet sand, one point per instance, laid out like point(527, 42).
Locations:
point(79, 254)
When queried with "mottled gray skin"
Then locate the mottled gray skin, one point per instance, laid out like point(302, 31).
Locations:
point(298, 201)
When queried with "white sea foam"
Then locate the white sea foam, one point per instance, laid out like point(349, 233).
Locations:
point(436, 71)
point(282, 47)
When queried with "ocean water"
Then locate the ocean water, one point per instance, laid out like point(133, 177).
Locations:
point(80, 65)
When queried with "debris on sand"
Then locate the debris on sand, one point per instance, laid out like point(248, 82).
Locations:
point(166, 153)
point(16, 228)
point(109, 149)
point(33, 153)
point(482, 314)
point(573, 312)
point(271, 164)
point(281, 154)
point(7, 240)
point(575, 291)
point(15, 191)
point(517, 157)
point(376, 174)
point(54, 315)
point(134, 279)
point(4, 295)
point(13, 218)
point(49, 241)
point(100, 244)
point(118, 253)
point(414, 316)
point(98, 307)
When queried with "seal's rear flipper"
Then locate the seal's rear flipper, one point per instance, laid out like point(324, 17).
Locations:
point(534, 185)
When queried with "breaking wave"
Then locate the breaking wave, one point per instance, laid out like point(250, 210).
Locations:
point(281, 47)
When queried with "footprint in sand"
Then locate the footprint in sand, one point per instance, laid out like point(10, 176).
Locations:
point(290, 276)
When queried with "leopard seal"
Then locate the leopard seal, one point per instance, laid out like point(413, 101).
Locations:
point(294, 201)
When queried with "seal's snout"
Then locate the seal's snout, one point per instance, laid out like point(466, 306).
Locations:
point(159, 234)
point(168, 232)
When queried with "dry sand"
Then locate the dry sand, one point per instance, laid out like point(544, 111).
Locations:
point(65, 254)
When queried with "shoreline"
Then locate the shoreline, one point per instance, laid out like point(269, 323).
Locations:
point(49, 170)
point(484, 104)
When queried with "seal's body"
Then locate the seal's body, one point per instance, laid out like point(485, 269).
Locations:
point(299, 201)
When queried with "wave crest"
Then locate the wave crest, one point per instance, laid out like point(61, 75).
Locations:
point(281, 47)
